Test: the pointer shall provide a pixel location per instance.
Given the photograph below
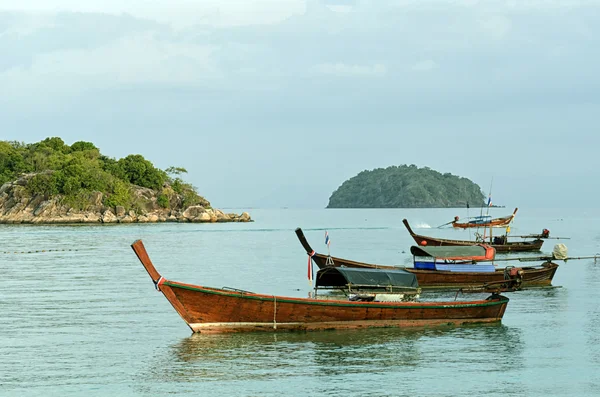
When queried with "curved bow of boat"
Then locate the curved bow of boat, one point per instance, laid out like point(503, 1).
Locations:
point(410, 231)
point(303, 241)
point(142, 254)
point(160, 283)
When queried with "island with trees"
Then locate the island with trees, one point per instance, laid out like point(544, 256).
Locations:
point(50, 182)
point(406, 186)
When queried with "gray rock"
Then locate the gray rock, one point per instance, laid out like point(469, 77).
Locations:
point(96, 199)
point(120, 210)
point(193, 211)
point(109, 217)
point(18, 206)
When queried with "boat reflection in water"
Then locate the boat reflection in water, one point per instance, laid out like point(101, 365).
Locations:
point(257, 357)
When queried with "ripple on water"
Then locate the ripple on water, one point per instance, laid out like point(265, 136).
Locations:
point(89, 322)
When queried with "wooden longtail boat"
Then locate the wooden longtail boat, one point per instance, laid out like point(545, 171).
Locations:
point(484, 221)
point(215, 310)
point(530, 276)
point(500, 243)
point(445, 267)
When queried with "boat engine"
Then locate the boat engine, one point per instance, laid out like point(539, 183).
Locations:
point(513, 273)
point(499, 240)
point(545, 233)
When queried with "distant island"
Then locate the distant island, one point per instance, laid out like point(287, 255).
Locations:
point(50, 182)
point(406, 186)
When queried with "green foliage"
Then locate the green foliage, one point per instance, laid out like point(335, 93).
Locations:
point(178, 185)
point(81, 146)
point(55, 144)
point(46, 184)
point(406, 187)
point(11, 161)
point(75, 172)
point(79, 200)
point(119, 193)
point(141, 172)
point(163, 200)
point(176, 171)
point(112, 166)
point(189, 193)
point(190, 197)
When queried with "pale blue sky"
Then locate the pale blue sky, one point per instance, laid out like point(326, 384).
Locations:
point(273, 103)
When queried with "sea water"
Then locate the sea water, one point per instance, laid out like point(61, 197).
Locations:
point(79, 315)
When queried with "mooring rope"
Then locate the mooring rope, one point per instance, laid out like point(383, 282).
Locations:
point(161, 280)
point(38, 251)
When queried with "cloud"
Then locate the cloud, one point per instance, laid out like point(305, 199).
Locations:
point(424, 66)
point(184, 13)
point(497, 26)
point(487, 49)
point(228, 83)
point(346, 70)
point(137, 58)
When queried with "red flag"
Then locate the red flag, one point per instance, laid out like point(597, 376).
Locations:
point(310, 270)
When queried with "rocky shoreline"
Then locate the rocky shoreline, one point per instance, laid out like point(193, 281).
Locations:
point(18, 207)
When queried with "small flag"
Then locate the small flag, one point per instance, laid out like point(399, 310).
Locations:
point(489, 200)
point(310, 268)
point(507, 229)
point(327, 241)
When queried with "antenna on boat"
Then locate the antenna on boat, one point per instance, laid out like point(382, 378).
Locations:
point(468, 217)
point(489, 203)
point(487, 211)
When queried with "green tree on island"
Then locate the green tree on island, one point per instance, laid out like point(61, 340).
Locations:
point(77, 171)
point(406, 186)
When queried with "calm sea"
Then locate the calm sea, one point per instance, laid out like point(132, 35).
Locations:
point(83, 318)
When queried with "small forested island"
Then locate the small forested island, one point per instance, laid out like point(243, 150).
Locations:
point(50, 182)
point(406, 186)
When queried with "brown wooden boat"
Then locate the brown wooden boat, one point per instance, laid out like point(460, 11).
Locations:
point(484, 221)
point(530, 276)
point(213, 310)
point(500, 243)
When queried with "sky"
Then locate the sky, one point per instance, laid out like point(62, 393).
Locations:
point(275, 103)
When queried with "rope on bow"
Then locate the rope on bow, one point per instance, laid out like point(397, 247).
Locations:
point(159, 282)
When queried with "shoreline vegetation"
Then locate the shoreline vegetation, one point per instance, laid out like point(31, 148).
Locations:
point(50, 182)
point(407, 186)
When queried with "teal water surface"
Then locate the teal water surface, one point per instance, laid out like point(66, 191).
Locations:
point(82, 317)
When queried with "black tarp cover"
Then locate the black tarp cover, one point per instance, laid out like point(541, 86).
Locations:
point(366, 278)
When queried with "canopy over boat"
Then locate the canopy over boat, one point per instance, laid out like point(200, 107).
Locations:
point(365, 278)
point(481, 219)
point(479, 252)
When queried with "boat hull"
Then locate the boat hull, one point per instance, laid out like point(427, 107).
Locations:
point(532, 276)
point(514, 246)
point(496, 222)
point(209, 310)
